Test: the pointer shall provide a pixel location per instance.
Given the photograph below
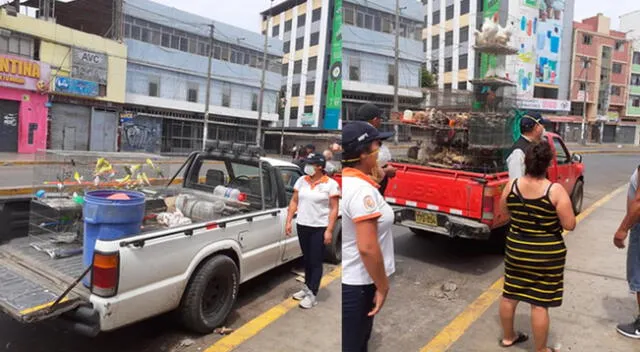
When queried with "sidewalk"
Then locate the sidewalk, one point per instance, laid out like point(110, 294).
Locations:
point(596, 295)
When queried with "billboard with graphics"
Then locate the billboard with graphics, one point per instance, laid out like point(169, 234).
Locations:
point(548, 40)
point(333, 109)
point(525, 18)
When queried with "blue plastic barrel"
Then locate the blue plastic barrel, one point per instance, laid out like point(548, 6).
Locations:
point(107, 219)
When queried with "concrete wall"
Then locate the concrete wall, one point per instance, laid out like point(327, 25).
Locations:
point(57, 41)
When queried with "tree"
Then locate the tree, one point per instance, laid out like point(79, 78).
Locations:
point(427, 79)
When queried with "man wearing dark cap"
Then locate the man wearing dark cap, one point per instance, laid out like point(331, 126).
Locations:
point(532, 129)
point(372, 114)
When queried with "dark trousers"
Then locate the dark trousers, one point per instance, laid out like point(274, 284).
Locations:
point(357, 302)
point(312, 244)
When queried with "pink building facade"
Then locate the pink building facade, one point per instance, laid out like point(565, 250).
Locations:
point(24, 85)
point(601, 64)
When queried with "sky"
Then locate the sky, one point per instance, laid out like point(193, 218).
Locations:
point(245, 13)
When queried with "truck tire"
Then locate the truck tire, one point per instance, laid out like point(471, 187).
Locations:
point(333, 251)
point(577, 197)
point(210, 295)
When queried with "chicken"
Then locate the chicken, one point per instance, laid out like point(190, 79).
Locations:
point(504, 33)
point(489, 31)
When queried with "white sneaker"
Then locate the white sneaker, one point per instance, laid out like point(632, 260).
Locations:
point(308, 302)
point(300, 295)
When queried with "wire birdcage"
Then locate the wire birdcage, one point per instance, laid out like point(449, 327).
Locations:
point(490, 130)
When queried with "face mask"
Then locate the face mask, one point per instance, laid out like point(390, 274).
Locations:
point(309, 170)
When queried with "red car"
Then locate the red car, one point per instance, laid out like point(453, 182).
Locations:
point(466, 204)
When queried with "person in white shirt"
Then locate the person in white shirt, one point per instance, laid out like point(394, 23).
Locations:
point(331, 168)
point(532, 129)
point(315, 200)
point(367, 241)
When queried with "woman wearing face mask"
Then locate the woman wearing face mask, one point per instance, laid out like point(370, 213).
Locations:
point(367, 247)
point(315, 199)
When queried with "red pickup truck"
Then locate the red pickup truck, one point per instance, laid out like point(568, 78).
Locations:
point(466, 204)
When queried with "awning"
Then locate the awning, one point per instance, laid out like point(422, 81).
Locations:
point(557, 118)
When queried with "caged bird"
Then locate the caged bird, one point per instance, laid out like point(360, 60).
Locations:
point(504, 33)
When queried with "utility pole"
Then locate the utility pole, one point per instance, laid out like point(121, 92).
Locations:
point(207, 98)
point(262, 79)
point(396, 69)
point(586, 64)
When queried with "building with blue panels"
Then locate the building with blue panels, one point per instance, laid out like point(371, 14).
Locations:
point(167, 80)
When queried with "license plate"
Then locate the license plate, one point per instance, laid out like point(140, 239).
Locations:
point(426, 218)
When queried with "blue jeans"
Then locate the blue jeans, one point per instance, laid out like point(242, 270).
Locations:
point(357, 302)
point(633, 259)
point(312, 244)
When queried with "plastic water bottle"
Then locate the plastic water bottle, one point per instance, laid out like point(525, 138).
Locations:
point(227, 193)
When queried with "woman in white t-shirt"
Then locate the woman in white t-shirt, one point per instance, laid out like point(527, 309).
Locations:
point(367, 242)
point(315, 199)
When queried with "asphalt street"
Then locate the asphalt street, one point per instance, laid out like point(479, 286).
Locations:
point(417, 308)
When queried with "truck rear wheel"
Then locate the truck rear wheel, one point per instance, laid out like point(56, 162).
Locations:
point(577, 197)
point(210, 295)
point(333, 251)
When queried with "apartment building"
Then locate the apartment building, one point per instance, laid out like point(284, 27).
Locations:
point(630, 25)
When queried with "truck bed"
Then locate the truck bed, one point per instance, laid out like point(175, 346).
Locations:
point(30, 281)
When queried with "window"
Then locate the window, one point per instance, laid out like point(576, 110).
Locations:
point(145, 37)
point(287, 26)
point(435, 42)
point(462, 85)
point(297, 66)
point(464, 7)
point(349, 15)
point(166, 41)
point(635, 79)
point(616, 68)
point(17, 45)
point(311, 88)
point(275, 31)
point(226, 95)
point(587, 39)
point(286, 46)
point(619, 45)
point(316, 14)
point(301, 20)
point(354, 69)
point(448, 38)
point(315, 39)
point(386, 25)
point(436, 17)
point(636, 58)
point(391, 77)
point(635, 102)
point(135, 32)
point(299, 43)
point(424, 45)
point(449, 12)
point(426, 20)
point(294, 113)
point(254, 102)
point(175, 42)
point(616, 90)
point(583, 86)
point(377, 24)
point(561, 152)
point(308, 109)
point(463, 61)
point(154, 87)
point(295, 90)
point(448, 64)
point(225, 53)
point(585, 63)
point(192, 94)
point(184, 44)
point(285, 69)
point(368, 21)
point(464, 34)
point(448, 87)
point(312, 63)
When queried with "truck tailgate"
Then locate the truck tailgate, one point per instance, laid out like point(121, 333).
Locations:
point(441, 190)
point(30, 282)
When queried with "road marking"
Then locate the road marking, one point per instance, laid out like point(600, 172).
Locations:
point(253, 327)
point(457, 327)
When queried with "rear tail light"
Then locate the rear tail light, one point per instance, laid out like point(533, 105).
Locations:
point(488, 200)
point(105, 274)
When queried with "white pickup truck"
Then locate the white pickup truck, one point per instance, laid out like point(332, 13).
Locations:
point(195, 270)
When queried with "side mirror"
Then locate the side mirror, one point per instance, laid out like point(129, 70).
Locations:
point(576, 158)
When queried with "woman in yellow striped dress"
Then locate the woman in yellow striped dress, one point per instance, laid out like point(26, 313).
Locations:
point(535, 251)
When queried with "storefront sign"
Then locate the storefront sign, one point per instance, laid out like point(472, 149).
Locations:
point(18, 72)
point(89, 66)
point(544, 104)
point(74, 86)
point(126, 117)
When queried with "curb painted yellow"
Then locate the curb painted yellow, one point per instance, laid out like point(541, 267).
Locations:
point(253, 327)
point(457, 327)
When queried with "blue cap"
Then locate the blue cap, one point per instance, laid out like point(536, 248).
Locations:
point(315, 159)
point(358, 133)
point(530, 119)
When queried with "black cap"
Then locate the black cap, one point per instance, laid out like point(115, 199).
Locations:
point(358, 133)
point(310, 146)
point(530, 119)
point(315, 159)
point(368, 112)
